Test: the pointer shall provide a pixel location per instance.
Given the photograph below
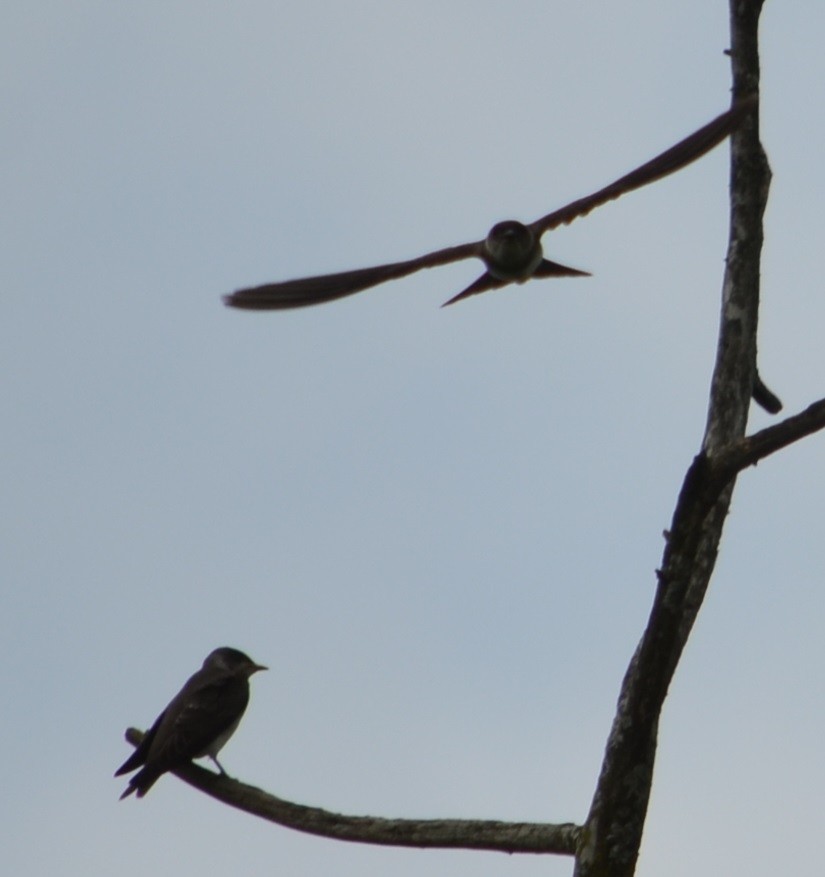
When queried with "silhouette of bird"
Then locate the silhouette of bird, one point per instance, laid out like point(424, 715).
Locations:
point(511, 252)
point(199, 720)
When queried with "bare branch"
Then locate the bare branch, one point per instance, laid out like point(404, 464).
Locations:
point(765, 397)
point(748, 451)
point(467, 834)
point(612, 834)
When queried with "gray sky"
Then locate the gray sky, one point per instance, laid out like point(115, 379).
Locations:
point(438, 528)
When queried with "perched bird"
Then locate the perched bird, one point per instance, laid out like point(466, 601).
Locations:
point(511, 252)
point(199, 720)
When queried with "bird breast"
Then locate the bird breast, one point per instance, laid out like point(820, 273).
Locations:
point(219, 742)
point(511, 251)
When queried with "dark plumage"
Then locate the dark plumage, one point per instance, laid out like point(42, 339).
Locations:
point(199, 720)
point(511, 252)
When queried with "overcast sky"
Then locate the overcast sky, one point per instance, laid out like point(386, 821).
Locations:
point(439, 528)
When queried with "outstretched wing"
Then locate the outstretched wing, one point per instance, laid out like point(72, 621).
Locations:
point(328, 287)
point(670, 161)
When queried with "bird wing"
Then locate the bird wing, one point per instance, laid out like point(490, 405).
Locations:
point(670, 161)
point(139, 756)
point(200, 717)
point(328, 287)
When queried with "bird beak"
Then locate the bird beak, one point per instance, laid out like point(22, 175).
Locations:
point(258, 667)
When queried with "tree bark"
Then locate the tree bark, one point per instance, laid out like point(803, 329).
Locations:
point(612, 833)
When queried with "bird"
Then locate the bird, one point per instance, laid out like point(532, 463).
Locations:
point(511, 252)
point(199, 720)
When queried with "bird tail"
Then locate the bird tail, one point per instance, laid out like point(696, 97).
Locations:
point(141, 782)
point(547, 268)
point(482, 284)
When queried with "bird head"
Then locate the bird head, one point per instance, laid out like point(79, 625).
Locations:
point(511, 251)
point(233, 661)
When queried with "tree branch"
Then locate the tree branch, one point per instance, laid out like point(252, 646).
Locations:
point(612, 834)
point(468, 834)
point(608, 843)
point(748, 451)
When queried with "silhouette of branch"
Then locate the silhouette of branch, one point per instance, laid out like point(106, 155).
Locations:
point(748, 451)
point(467, 834)
point(612, 833)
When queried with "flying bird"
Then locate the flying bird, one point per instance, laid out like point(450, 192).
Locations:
point(511, 252)
point(199, 720)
